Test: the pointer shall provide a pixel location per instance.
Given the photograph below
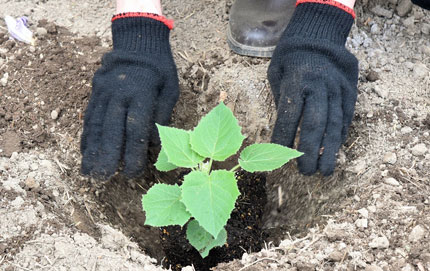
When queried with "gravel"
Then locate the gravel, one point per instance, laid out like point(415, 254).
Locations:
point(379, 242)
point(391, 181)
point(419, 149)
point(417, 233)
point(41, 31)
point(404, 7)
point(380, 11)
point(390, 158)
point(420, 70)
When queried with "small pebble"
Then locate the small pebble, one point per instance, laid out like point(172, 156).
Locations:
point(409, 209)
point(41, 31)
point(17, 202)
point(417, 233)
point(409, 21)
point(361, 223)
point(54, 114)
point(381, 91)
point(390, 158)
point(372, 208)
point(374, 29)
point(335, 256)
point(408, 267)
point(392, 181)
point(420, 70)
point(30, 183)
point(404, 7)
point(3, 82)
point(373, 268)
point(246, 259)
point(379, 242)
point(406, 130)
point(4, 79)
point(372, 76)
point(425, 257)
point(380, 11)
point(425, 50)
point(425, 28)
point(363, 212)
point(305, 266)
point(359, 167)
point(273, 266)
point(335, 234)
point(34, 166)
point(409, 65)
point(14, 156)
point(419, 149)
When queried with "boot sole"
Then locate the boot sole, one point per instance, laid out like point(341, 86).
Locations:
point(247, 50)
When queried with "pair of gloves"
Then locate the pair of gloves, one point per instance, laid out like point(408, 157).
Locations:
point(312, 75)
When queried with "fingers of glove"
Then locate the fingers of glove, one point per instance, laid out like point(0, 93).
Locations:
point(332, 137)
point(289, 113)
point(138, 126)
point(312, 130)
point(93, 128)
point(349, 98)
point(96, 99)
point(274, 75)
point(92, 105)
point(166, 100)
point(112, 139)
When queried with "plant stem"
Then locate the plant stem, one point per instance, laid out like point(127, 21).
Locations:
point(210, 165)
point(235, 168)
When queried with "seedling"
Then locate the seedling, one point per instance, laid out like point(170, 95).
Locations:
point(206, 197)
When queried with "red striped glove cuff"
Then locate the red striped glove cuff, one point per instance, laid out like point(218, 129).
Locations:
point(169, 23)
point(329, 2)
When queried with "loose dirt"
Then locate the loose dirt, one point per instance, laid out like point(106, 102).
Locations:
point(372, 214)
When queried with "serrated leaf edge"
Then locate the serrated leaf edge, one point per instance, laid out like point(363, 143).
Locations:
point(296, 154)
point(218, 129)
point(169, 159)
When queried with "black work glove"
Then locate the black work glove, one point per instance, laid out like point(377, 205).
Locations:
point(136, 86)
point(314, 82)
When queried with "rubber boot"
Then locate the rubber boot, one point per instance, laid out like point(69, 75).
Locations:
point(255, 26)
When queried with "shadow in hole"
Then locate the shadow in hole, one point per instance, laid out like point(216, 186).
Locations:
point(120, 200)
point(297, 202)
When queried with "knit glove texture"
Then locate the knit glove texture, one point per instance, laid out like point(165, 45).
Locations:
point(136, 87)
point(314, 82)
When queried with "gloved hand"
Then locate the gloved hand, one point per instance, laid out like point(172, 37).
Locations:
point(136, 86)
point(314, 82)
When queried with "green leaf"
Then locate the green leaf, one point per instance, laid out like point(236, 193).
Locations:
point(266, 157)
point(217, 135)
point(210, 199)
point(176, 145)
point(162, 163)
point(163, 206)
point(202, 240)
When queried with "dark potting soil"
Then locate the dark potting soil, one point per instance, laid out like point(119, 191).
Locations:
point(244, 229)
